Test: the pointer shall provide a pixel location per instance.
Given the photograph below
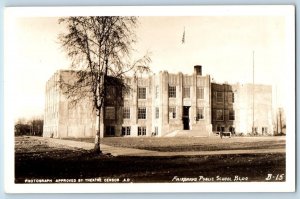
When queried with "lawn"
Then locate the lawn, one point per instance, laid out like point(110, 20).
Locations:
point(36, 160)
point(176, 144)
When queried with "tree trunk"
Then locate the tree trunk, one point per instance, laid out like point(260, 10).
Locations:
point(97, 138)
point(97, 148)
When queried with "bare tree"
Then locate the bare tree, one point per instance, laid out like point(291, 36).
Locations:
point(32, 126)
point(100, 49)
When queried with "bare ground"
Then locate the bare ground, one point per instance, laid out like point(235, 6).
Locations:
point(179, 144)
point(36, 159)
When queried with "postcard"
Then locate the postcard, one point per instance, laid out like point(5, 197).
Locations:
point(120, 99)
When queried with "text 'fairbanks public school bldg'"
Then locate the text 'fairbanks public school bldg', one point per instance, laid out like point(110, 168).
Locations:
point(163, 104)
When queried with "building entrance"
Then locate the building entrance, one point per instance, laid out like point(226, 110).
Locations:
point(186, 118)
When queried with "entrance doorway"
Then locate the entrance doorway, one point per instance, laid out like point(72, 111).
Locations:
point(186, 118)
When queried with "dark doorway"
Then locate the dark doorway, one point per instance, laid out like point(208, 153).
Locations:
point(185, 118)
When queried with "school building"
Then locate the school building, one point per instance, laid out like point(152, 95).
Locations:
point(162, 104)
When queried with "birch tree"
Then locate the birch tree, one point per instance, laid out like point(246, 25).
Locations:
point(100, 50)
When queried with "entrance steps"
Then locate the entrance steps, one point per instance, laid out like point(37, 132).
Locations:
point(187, 133)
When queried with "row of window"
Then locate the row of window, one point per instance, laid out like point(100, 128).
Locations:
point(142, 113)
point(264, 130)
point(111, 93)
point(222, 129)
point(142, 94)
point(219, 97)
point(126, 130)
point(186, 92)
point(218, 115)
point(110, 113)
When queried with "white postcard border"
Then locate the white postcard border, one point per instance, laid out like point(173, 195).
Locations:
point(288, 186)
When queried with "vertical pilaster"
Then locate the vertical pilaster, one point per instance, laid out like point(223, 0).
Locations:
point(164, 100)
point(193, 99)
point(179, 108)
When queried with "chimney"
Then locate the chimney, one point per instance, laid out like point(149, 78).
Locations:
point(198, 69)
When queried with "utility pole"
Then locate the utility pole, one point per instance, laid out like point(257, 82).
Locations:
point(276, 112)
point(253, 128)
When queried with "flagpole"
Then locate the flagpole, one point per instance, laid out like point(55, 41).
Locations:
point(183, 36)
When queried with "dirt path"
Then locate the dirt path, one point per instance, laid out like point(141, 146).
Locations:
point(122, 151)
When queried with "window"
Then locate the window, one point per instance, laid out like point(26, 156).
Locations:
point(126, 130)
point(111, 92)
point(200, 113)
point(200, 93)
point(126, 113)
point(172, 91)
point(264, 130)
point(142, 113)
point(186, 92)
point(230, 97)
point(110, 113)
point(141, 130)
point(141, 93)
point(156, 113)
point(156, 92)
point(231, 115)
point(220, 97)
point(172, 112)
point(110, 130)
point(219, 115)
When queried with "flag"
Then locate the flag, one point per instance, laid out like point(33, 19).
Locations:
point(183, 37)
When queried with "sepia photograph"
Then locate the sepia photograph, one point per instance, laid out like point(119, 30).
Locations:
point(150, 99)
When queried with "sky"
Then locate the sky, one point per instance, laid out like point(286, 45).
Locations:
point(223, 45)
